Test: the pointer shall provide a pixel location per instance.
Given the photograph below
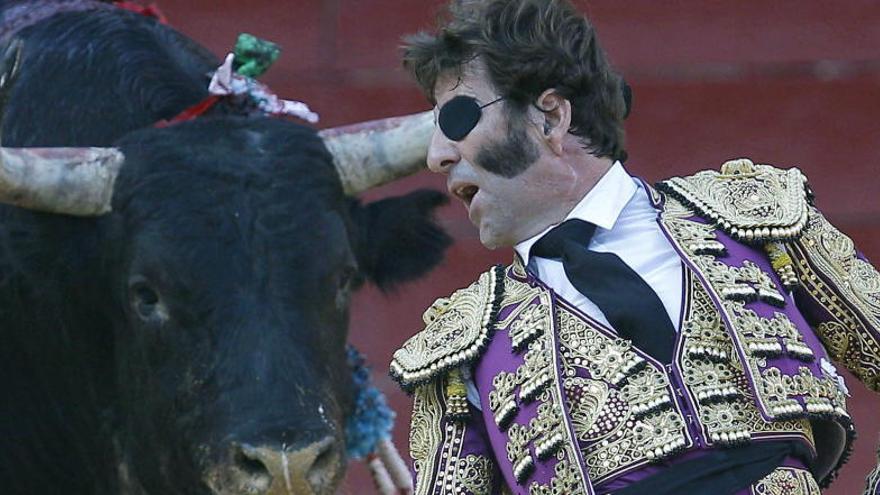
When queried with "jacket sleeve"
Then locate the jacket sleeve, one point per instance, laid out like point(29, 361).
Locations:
point(839, 294)
point(450, 456)
point(873, 487)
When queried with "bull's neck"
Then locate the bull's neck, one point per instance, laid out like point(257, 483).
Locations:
point(25, 13)
point(56, 362)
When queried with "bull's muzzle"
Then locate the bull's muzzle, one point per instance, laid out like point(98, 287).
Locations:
point(315, 469)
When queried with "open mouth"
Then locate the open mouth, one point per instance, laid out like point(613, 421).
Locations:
point(466, 193)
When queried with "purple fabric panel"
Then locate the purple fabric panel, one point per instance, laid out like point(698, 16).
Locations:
point(813, 312)
point(496, 358)
point(738, 253)
point(476, 441)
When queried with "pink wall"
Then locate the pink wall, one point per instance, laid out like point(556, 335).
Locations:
point(789, 82)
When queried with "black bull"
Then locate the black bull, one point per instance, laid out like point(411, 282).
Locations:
point(192, 340)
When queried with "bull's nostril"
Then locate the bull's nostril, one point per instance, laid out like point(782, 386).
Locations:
point(254, 473)
point(249, 465)
point(322, 472)
point(314, 469)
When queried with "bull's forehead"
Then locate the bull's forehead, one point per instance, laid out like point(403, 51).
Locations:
point(234, 235)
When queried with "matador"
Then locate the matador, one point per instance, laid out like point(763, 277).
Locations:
point(681, 337)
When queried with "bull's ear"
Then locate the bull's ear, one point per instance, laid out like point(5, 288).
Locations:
point(398, 238)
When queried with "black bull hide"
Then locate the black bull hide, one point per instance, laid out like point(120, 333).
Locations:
point(194, 337)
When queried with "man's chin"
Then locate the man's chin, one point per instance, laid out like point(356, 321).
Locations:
point(490, 240)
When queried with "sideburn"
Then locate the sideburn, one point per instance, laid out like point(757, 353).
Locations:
point(511, 156)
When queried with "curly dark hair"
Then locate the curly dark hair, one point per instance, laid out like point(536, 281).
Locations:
point(528, 46)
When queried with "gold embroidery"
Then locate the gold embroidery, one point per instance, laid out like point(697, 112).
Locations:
point(753, 203)
point(435, 449)
point(761, 338)
point(518, 438)
point(607, 359)
point(821, 395)
point(646, 393)
point(536, 373)
point(873, 482)
point(548, 430)
point(456, 396)
point(502, 401)
point(746, 283)
point(848, 288)
point(517, 269)
point(548, 433)
point(787, 481)
point(476, 474)
point(782, 264)
point(564, 482)
point(722, 396)
point(425, 432)
point(524, 297)
point(534, 319)
point(590, 401)
point(456, 333)
point(532, 377)
point(623, 414)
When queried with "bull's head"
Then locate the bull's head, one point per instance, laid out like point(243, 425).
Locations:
point(230, 247)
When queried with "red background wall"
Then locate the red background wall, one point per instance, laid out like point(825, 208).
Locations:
point(788, 82)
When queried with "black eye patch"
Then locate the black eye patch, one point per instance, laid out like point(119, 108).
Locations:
point(460, 115)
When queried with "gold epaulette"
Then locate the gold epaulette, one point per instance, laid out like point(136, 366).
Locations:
point(752, 203)
point(457, 331)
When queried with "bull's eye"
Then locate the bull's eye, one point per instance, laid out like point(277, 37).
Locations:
point(348, 278)
point(144, 300)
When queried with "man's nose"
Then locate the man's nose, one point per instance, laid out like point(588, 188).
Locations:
point(442, 153)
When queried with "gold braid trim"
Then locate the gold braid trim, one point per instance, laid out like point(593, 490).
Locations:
point(873, 485)
point(436, 449)
point(787, 481)
point(426, 435)
point(848, 288)
point(457, 331)
point(752, 203)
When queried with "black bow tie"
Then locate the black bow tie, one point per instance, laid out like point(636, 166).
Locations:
point(627, 301)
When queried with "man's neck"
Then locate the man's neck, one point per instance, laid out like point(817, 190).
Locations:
point(586, 169)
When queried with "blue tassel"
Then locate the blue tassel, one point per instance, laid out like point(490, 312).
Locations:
point(372, 419)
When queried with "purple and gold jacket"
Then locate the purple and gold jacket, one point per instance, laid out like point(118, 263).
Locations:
point(772, 294)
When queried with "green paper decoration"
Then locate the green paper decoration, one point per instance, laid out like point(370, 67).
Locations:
point(254, 56)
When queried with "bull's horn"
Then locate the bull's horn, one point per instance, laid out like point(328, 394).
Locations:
point(73, 181)
point(379, 151)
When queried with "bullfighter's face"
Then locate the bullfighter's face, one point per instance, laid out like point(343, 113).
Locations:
point(502, 170)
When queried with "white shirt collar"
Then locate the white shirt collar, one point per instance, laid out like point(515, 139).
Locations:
point(601, 205)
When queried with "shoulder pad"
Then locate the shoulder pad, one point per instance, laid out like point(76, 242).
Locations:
point(457, 331)
point(751, 203)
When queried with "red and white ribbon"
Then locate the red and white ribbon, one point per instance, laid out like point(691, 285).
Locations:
point(226, 81)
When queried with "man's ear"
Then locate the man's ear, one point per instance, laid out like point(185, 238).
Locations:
point(555, 118)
